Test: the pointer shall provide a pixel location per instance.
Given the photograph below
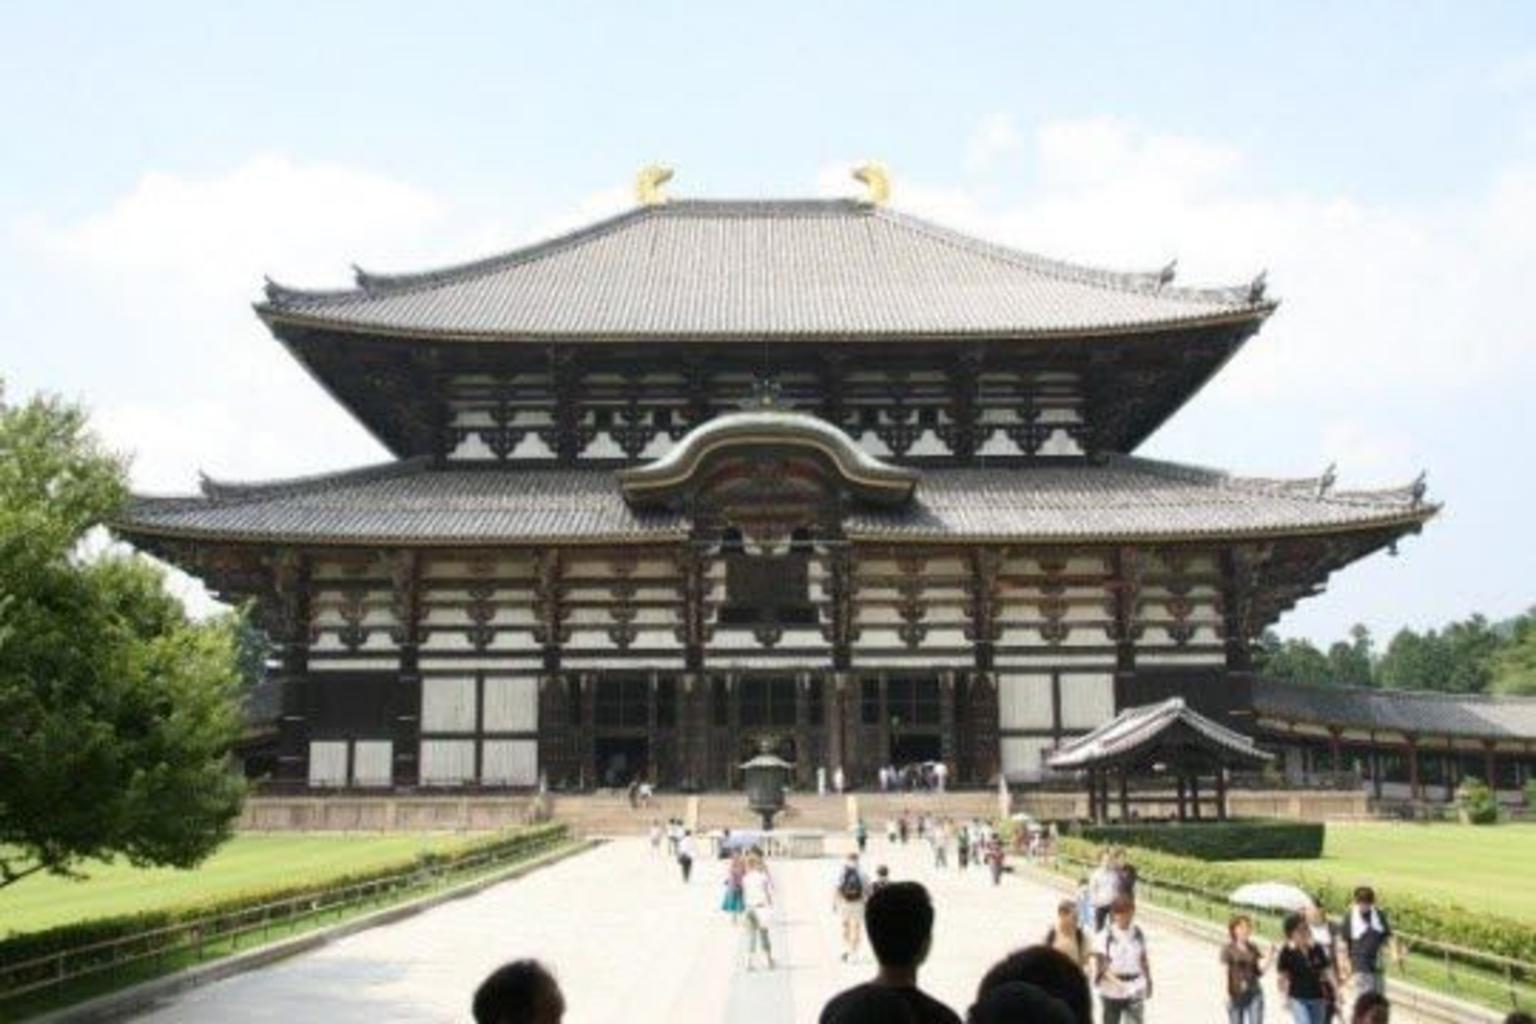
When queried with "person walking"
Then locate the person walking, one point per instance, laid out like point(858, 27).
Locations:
point(963, 848)
point(900, 920)
point(655, 836)
point(757, 897)
point(735, 872)
point(1103, 888)
point(839, 780)
point(861, 835)
point(1121, 970)
point(848, 895)
point(1245, 966)
point(1067, 936)
point(996, 856)
point(687, 853)
point(1326, 941)
point(1300, 972)
point(938, 839)
point(1365, 933)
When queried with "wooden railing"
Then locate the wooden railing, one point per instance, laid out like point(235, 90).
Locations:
point(194, 940)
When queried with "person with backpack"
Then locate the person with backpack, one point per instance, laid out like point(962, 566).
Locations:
point(1365, 932)
point(848, 894)
point(861, 835)
point(1067, 936)
point(1245, 966)
point(1122, 972)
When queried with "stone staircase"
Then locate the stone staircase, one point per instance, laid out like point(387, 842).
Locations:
point(602, 814)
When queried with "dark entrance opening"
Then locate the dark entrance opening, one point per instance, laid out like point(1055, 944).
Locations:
point(909, 749)
point(620, 759)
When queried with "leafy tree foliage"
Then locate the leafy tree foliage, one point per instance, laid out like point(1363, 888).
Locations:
point(1470, 656)
point(119, 712)
point(1514, 666)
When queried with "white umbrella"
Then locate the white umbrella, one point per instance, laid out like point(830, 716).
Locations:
point(1270, 896)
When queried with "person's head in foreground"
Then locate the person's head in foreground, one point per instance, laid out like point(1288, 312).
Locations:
point(899, 921)
point(1054, 975)
point(883, 873)
point(1371, 1008)
point(1121, 911)
point(1365, 897)
point(1297, 931)
point(1240, 929)
point(521, 992)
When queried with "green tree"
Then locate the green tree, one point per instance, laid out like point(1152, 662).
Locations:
point(1295, 660)
point(1353, 662)
point(1514, 665)
point(119, 711)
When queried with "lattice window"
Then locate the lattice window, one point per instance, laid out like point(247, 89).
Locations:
point(767, 701)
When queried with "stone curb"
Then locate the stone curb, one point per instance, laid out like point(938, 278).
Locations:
point(143, 996)
point(1432, 1005)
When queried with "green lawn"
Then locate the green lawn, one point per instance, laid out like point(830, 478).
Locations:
point(1479, 867)
point(244, 863)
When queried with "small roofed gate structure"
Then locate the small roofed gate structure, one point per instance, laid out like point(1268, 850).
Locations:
point(1168, 740)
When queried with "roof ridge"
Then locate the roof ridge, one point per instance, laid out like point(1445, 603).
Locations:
point(370, 284)
point(1153, 282)
point(227, 492)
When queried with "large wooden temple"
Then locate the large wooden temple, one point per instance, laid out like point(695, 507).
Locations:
point(713, 472)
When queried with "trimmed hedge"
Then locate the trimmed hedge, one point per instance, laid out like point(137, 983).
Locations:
point(1217, 840)
point(31, 945)
point(1436, 920)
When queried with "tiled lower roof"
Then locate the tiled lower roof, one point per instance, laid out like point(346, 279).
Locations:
point(412, 502)
point(1472, 715)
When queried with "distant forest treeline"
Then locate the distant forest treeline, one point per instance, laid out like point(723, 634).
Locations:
point(1470, 656)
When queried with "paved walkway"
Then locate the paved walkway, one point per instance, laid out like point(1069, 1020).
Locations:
point(630, 942)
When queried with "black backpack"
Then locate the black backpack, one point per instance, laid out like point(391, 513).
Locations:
point(851, 887)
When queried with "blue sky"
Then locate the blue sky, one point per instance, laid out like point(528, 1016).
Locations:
point(1380, 160)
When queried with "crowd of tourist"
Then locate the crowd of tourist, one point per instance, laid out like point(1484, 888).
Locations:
point(1324, 971)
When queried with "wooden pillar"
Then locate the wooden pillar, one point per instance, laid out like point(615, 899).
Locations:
point(1221, 793)
point(1194, 793)
point(1415, 792)
point(1179, 782)
point(1490, 768)
point(947, 721)
point(836, 683)
point(1125, 797)
point(1335, 748)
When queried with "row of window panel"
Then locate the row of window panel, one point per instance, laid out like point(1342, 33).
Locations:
point(503, 703)
point(370, 763)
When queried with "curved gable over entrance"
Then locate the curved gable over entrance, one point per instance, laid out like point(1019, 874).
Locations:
point(803, 452)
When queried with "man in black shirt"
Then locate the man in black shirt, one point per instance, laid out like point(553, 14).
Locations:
point(899, 920)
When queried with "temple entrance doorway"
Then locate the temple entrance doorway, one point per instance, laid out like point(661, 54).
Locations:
point(620, 759)
point(908, 749)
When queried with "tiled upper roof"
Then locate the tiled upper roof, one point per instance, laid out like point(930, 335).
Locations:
point(411, 502)
point(785, 269)
point(1472, 715)
point(1135, 728)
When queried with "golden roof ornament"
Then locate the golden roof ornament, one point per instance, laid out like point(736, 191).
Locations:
point(878, 181)
point(648, 184)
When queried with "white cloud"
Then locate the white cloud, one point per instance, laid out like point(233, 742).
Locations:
point(996, 141)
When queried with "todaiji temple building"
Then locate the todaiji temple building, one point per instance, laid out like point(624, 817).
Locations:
point(810, 472)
